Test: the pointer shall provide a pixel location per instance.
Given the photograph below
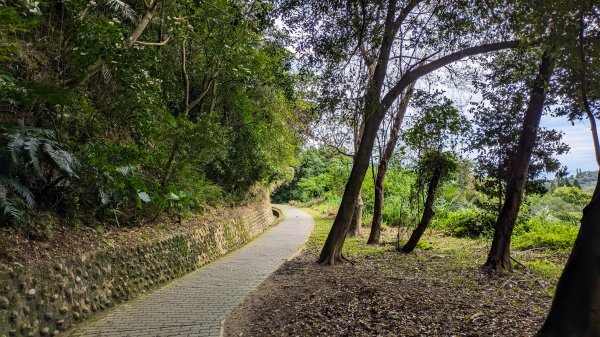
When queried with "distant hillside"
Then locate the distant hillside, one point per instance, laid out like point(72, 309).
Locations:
point(586, 179)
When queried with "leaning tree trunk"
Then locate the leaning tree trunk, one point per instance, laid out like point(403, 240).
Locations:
point(375, 109)
point(427, 212)
point(383, 166)
point(356, 224)
point(575, 310)
point(332, 249)
point(499, 255)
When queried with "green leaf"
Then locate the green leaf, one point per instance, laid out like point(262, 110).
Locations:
point(143, 196)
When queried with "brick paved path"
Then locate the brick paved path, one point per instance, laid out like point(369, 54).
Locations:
point(196, 304)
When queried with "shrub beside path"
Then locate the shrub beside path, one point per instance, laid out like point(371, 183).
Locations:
point(196, 304)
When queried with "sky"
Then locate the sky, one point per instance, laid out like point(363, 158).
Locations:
point(579, 138)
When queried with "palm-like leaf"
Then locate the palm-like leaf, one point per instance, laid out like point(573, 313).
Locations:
point(8, 208)
point(11, 184)
point(126, 10)
point(32, 146)
point(27, 151)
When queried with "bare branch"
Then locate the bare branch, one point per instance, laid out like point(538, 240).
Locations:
point(161, 43)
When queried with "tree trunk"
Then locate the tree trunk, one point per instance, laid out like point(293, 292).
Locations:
point(332, 250)
point(375, 233)
point(575, 310)
point(593, 127)
point(585, 88)
point(375, 109)
point(499, 255)
point(427, 212)
point(356, 224)
point(383, 166)
point(374, 112)
point(146, 18)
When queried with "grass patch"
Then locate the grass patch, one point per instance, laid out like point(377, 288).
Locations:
point(436, 251)
point(354, 247)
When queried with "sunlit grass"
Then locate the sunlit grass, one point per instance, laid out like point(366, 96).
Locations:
point(354, 247)
point(436, 251)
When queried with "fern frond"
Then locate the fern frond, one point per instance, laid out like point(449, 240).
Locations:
point(14, 185)
point(9, 209)
point(126, 10)
point(63, 160)
point(15, 147)
point(32, 146)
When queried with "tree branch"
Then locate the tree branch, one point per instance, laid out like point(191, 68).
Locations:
point(161, 43)
point(186, 79)
point(338, 150)
point(143, 23)
point(202, 95)
point(425, 69)
point(404, 14)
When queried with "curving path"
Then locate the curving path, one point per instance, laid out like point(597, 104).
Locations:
point(196, 304)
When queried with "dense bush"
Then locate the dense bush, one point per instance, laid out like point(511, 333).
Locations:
point(549, 220)
point(539, 232)
point(320, 175)
point(115, 126)
point(468, 223)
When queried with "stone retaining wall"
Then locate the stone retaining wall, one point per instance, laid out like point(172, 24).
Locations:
point(48, 299)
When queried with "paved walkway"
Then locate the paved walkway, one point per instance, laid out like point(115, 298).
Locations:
point(196, 304)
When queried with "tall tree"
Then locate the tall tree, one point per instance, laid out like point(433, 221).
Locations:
point(382, 167)
point(575, 309)
point(499, 255)
point(435, 136)
point(336, 31)
point(496, 134)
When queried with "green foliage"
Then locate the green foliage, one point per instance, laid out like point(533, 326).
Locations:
point(563, 203)
point(319, 175)
point(467, 223)
point(505, 99)
point(396, 211)
point(312, 163)
point(434, 136)
point(540, 232)
point(435, 164)
point(33, 164)
point(572, 195)
point(439, 125)
point(119, 102)
point(27, 149)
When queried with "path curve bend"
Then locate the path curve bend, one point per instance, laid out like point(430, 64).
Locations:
point(196, 304)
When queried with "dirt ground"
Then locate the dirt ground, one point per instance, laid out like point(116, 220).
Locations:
point(437, 291)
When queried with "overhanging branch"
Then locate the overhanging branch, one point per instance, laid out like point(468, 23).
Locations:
point(425, 69)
